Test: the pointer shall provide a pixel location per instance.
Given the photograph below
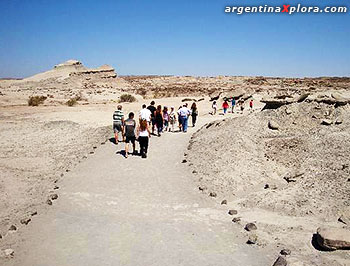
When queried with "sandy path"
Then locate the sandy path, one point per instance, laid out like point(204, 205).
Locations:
point(117, 211)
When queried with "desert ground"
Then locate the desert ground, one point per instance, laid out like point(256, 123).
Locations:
point(237, 189)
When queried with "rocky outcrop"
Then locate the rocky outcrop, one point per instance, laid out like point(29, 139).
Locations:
point(280, 100)
point(333, 238)
point(74, 68)
point(334, 98)
point(69, 63)
point(105, 71)
point(328, 97)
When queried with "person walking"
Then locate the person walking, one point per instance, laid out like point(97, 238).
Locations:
point(214, 107)
point(242, 105)
point(194, 114)
point(179, 118)
point(118, 122)
point(225, 106)
point(184, 113)
point(233, 103)
point(143, 135)
point(159, 119)
point(145, 114)
point(172, 119)
point(129, 128)
point(165, 118)
point(152, 109)
point(251, 104)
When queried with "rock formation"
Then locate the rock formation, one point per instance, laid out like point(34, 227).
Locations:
point(74, 68)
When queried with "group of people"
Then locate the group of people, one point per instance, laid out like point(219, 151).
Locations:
point(151, 118)
point(234, 103)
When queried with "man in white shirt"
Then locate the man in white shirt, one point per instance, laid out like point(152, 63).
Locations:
point(184, 112)
point(145, 114)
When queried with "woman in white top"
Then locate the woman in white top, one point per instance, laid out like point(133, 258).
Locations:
point(215, 107)
point(143, 134)
point(172, 119)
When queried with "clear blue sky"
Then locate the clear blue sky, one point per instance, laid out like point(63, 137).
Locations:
point(182, 37)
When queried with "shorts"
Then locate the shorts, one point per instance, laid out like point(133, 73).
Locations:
point(153, 120)
point(130, 139)
point(117, 127)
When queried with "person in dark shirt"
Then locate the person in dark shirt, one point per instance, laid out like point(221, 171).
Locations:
point(159, 119)
point(153, 109)
point(194, 113)
point(129, 127)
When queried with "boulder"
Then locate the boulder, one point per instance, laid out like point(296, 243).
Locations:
point(7, 253)
point(326, 122)
point(25, 220)
point(303, 97)
point(54, 197)
point(232, 212)
point(252, 239)
point(13, 228)
point(213, 194)
point(223, 202)
point(250, 227)
point(236, 219)
point(338, 121)
point(333, 238)
point(293, 176)
point(288, 111)
point(202, 188)
point(273, 125)
point(280, 261)
point(343, 219)
point(285, 252)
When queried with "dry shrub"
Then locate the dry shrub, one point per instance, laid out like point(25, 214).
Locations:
point(36, 100)
point(142, 91)
point(127, 98)
point(71, 102)
point(79, 97)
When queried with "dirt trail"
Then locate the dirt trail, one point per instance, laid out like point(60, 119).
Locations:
point(117, 211)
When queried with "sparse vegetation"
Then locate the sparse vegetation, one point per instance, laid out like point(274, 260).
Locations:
point(79, 97)
point(142, 92)
point(71, 102)
point(36, 100)
point(127, 98)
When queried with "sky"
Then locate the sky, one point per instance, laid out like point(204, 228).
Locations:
point(182, 37)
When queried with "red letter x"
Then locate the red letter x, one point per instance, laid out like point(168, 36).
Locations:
point(285, 8)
